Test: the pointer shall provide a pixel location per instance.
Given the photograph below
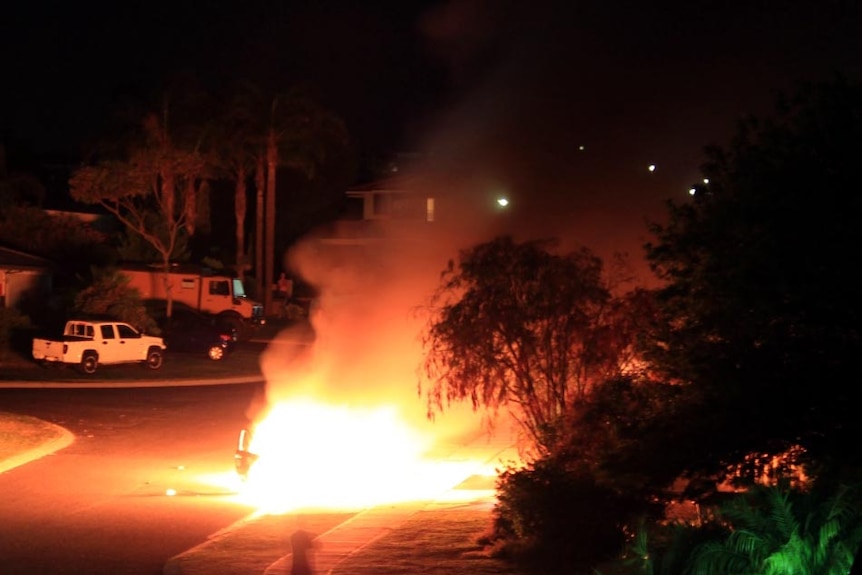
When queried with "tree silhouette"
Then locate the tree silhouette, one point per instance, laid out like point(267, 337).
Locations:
point(155, 178)
point(760, 296)
point(515, 326)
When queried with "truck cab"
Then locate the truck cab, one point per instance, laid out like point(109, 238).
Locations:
point(221, 294)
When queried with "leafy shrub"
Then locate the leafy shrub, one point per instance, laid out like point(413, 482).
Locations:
point(110, 295)
point(662, 548)
point(768, 530)
point(775, 530)
point(556, 518)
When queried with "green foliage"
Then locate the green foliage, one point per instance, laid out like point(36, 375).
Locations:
point(765, 531)
point(774, 531)
point(662, 548)
point(761, 300)
point(516, 326)
point(110, 295)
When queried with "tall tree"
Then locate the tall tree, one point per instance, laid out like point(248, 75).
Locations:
point(154, 176)
point(761, 296)
point(298, 135)
point(237, 142)
point(516, 326)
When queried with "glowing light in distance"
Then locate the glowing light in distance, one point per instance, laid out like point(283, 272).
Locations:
point(502, 201)
point(706, 180)
point(651, 167)
point(692, 191)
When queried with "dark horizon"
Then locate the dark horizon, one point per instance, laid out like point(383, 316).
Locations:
point(563, 106)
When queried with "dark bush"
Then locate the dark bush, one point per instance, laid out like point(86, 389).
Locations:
point(556, 519)
point(110, 295)
point(12, 322)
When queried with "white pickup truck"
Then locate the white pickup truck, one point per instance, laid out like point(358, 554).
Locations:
point(87, 344)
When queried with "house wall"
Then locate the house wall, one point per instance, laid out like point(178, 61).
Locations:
point(17, 285)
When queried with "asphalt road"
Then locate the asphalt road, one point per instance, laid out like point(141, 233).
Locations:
point(100, 506)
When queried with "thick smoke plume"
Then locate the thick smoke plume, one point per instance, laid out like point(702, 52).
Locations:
point(367, 321)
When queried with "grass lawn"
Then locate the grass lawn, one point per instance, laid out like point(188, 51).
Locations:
point(432, 542)
point(20, 433)
point(251, 548)
point(243, 362)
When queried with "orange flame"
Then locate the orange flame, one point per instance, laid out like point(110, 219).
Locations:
point(313, 455)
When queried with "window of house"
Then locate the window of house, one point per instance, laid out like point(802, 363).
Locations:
point(429, 209)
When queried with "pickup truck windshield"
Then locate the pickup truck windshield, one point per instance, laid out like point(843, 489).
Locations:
point(238, 289)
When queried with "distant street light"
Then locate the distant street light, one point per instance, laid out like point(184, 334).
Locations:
point(502, 202)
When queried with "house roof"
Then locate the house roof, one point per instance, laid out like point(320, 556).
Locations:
point(394, 184)
point(10, 259)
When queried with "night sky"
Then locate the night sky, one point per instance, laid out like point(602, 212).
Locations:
point(561, 104)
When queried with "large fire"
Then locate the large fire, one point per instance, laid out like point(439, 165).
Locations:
point(314, 455)
point(341, 425)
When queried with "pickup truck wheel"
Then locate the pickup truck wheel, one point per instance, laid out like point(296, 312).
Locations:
point(215, 352)
point(155, 358)
point(89, 363)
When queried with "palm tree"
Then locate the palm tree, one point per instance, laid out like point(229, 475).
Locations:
point(295, 133)
point(298, 134)
point(776, 531)
point(237, 143)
